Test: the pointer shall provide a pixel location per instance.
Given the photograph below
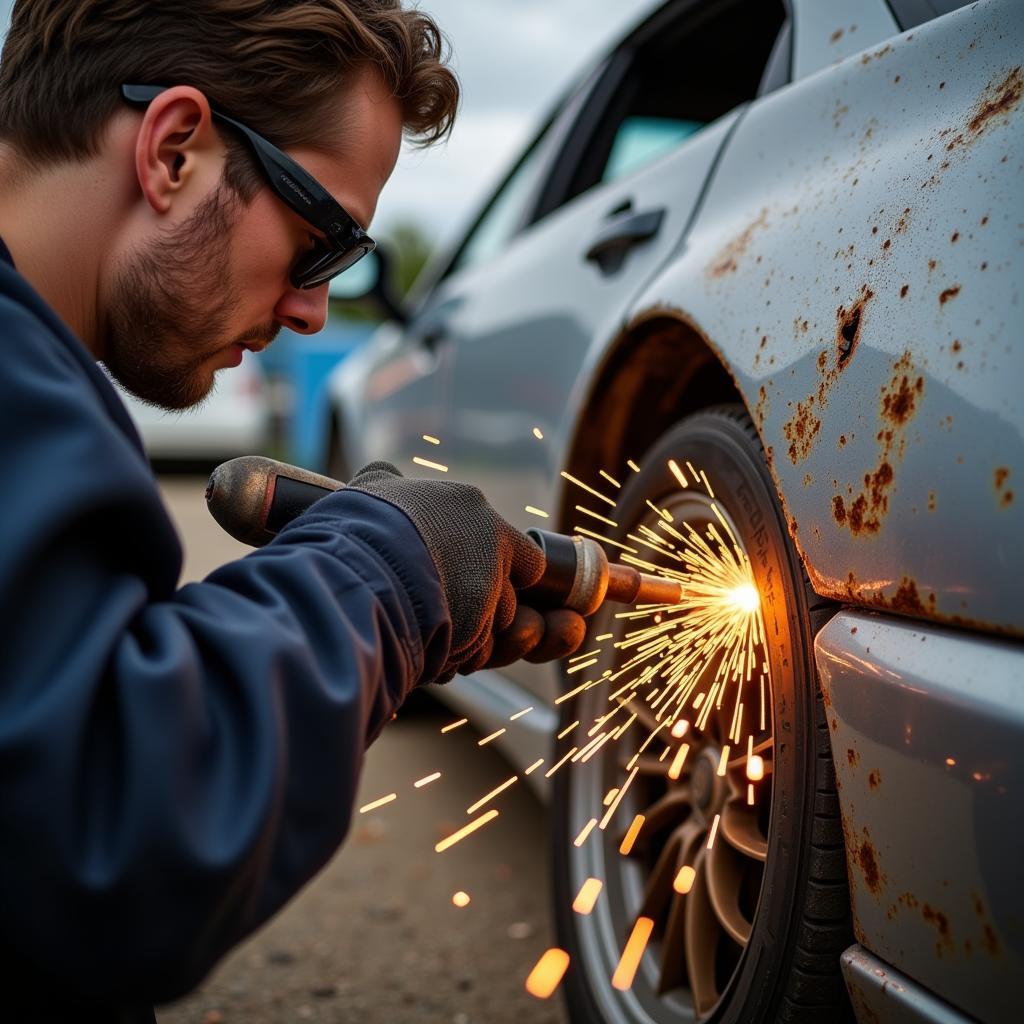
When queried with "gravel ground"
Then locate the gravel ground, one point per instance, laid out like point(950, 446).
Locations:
point(375, 938)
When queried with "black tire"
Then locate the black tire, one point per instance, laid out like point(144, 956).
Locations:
point(789, 969)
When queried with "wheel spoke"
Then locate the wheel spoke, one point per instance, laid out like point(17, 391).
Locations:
point(702, 931)
point(646, 765)
point(658, 888)
point(673, 943)
point(740, 829)
point(669, 809)
point(724, 877)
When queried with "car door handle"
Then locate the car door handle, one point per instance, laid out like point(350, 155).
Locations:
point(618, 236)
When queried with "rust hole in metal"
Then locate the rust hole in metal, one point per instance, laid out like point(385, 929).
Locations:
point(849, 327)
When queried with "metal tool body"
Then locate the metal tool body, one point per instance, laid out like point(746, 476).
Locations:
point(253, 498)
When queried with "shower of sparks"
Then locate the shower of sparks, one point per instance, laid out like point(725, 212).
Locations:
point(676, 768)
point(723, 761)
point(538, 433)
point(488, 797)
point(604, 636)
point(622, 979)
point(548, 973)
point(374, 804)
point(568, 729)
point(465, 831)
point(519, 714)
point(427, 780)
point(631, 835)
point(431, 440)
point(461, 899)
point(587, 896)
point(487, 739)
point(533, 767)
point(615, 483)
point(429, 465)
point(535, 511)
point(454, 725)
point(558, 764)
point(684, 880)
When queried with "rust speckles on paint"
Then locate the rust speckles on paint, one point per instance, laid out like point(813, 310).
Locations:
point(997, 101)
point(802, 429)
point(940, 922)
point(852, 757)
point(874, 778)
point(948, 293)
point(904, 290)
point(762, 407)
point(727, 261)
point(899, 399)
point(1004, 495)
point(839, 509)
point(866, 858)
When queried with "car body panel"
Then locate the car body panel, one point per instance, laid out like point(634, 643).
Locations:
point(879, 993)
point(865, 298)
point(828, 31)
point(927, 725)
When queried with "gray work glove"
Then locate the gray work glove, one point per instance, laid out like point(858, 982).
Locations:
point(482, 560)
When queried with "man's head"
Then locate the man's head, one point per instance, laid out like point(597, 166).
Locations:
point(198, 252)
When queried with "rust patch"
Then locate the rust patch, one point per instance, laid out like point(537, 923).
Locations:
point(904, 290)
point(877, 55)
point(874, 778)
point(939, 920)
point(956, 346)
point(763, 405)
point(903, 221)
point(852, 757)
point(842, 441)
point(836, 36)
point(849, 323)
point(866, 859)
point(955, 237)
point(1003, 493)
point(997, 101)
point(802, 430)
point(839, 509)
point(899, 397)
point(931, 501)
point(727, 261)
point(948, 293)
point(909, 900)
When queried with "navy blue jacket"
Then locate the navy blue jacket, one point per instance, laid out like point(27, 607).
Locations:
point(174, 763)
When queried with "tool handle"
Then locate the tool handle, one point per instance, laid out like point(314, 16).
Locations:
point(253, 497)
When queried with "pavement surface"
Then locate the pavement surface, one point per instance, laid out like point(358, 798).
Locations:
point(375, 938)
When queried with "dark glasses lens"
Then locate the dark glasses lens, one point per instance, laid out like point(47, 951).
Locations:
point(322, 263)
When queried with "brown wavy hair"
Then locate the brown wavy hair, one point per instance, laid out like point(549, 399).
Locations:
point(276, 65)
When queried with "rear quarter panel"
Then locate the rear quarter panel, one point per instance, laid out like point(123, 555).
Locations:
point(857, 265)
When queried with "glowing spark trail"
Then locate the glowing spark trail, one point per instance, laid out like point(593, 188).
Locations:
point(538, 433)
point(487, 739)
point(587, 896)
point(622, 979)
point(431, 440)
point(677, 472)
point(631, 834)
point(587, 488)
point(487, 798)
point(533, 767)
point(426, 780)
point(466, 830)
point(584, 832)
point(548, 973)
point(374, 804)
point(519, 714)
point(535, 511)
point(684, 880)
point(430, 465)
point(454, 725)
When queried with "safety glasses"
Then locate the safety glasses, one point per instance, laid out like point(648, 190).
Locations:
point(344, 242)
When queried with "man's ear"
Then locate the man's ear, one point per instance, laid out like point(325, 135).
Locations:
point(177, 149)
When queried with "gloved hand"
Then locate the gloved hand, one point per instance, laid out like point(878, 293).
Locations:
point(482, 560)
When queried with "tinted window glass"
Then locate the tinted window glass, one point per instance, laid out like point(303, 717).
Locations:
point(640, 140)
point(915, 12)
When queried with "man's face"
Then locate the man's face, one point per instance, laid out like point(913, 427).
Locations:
point(190, 299)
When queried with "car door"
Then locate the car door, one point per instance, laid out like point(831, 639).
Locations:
point(623, 191)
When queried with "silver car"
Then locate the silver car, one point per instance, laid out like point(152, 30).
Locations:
point(760, 274)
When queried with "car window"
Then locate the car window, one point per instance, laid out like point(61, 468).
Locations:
point(639, 140)
point(910, 13)
point(683, 68)
point(504, 214)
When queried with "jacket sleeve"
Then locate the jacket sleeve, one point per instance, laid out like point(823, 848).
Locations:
point(174, 764)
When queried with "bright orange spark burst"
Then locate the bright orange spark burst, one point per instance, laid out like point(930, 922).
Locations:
point(548, 973)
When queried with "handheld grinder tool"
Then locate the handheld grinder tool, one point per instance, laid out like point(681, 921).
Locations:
point(253, 498)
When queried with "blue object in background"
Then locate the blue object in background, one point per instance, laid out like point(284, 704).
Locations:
point(304, 362)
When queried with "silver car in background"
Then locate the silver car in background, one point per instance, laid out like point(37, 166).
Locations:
point(781, 242)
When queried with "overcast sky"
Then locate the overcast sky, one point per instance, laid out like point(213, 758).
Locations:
point(514, 59)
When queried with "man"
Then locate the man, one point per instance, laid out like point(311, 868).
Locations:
point(177, 181)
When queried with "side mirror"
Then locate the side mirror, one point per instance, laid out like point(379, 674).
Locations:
point(372, 279)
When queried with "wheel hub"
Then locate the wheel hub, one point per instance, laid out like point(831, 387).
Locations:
point(708, 795)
